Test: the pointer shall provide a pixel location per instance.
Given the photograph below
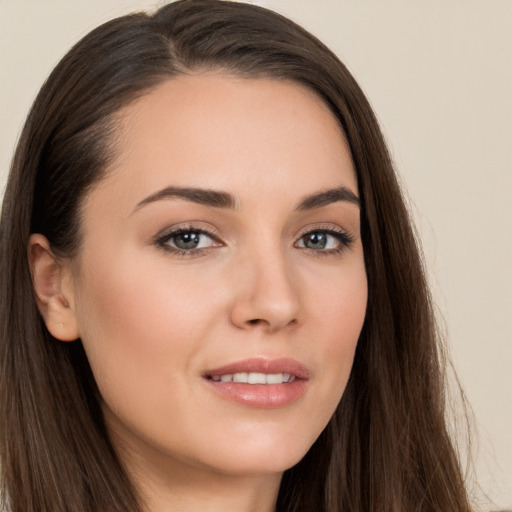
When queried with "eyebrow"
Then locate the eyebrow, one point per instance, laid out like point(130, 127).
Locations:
point(202, 196)
point(219, 199)
point(327, 197)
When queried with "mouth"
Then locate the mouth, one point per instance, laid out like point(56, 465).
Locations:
point(254, 378)
point(259, 382)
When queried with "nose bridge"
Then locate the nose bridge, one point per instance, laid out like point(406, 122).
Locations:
point(274, 277)
point(268, 293)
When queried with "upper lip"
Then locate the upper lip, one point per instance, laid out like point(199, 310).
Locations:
point(262, 365)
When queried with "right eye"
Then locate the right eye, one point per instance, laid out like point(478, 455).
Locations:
point(187, 241)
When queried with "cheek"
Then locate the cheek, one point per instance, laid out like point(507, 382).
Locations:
point(339, 313)
point(139, 295)
point(342, 312)
point(137, 322)
point(338, 303)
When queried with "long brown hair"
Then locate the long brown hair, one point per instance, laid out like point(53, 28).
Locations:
point(386, 449)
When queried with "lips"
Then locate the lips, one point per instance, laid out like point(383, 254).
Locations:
point(259, 382)
point(261, 365)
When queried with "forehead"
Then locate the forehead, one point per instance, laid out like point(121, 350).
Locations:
point(222, 131)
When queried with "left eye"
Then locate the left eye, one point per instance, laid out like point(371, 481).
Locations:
point(188, 240)
point(320, 240)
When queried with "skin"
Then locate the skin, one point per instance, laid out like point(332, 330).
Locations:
point(152, 321)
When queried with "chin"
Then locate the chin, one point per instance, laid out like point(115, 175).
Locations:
point(262, 456)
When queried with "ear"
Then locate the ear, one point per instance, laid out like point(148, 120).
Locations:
point(53, 288)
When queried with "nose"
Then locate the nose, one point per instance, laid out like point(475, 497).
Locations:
point(266, 294)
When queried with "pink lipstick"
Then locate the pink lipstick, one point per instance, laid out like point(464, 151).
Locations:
point(258, 382)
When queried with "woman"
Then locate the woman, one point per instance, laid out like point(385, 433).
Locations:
point(212, 296)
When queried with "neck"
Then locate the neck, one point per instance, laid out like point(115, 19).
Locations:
point(194, 492)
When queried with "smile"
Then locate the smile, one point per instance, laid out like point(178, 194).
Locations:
point(255, 378)
point(260, 383)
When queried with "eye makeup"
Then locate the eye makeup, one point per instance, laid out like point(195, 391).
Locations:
point(187, 241)
point(193, 241)
point(317, 239)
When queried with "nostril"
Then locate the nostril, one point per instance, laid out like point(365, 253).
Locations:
point(255, 322)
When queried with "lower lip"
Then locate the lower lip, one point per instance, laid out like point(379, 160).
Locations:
point(262, 396)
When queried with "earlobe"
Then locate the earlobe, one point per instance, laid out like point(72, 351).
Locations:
point(53, 289)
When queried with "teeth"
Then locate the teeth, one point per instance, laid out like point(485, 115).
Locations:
point(274, 378)
point(258, 378)
point(255, 378)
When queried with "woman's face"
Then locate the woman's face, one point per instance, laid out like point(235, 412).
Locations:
point(224, 244)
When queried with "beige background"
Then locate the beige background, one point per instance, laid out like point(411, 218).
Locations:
point(439, 74)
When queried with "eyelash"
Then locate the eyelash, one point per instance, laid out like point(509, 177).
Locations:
point(162, 241)
point(344, 238)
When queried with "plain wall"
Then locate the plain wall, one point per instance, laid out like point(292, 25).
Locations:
point(439, 75)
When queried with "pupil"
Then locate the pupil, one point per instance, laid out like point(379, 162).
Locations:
point(316, 241)
point(187, 240)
